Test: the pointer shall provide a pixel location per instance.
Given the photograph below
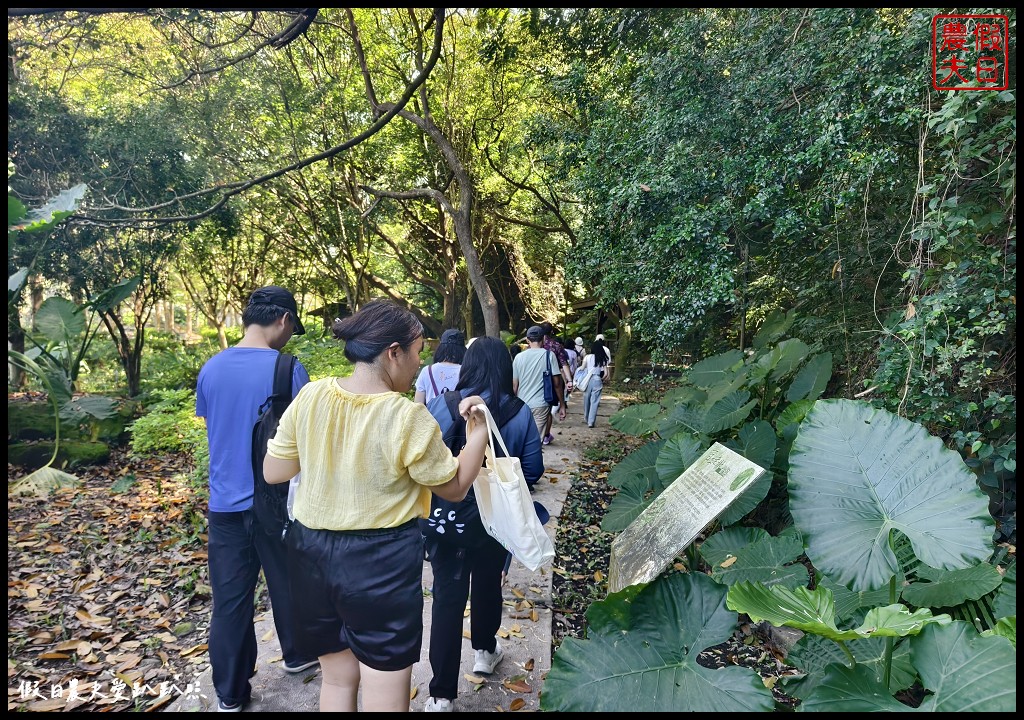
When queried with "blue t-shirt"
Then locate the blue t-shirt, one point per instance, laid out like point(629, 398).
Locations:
point(232, 386)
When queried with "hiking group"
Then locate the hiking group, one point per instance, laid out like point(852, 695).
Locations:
point(378, 483)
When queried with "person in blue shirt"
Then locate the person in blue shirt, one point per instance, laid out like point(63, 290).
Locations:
point(457, 571)
point(231, 387)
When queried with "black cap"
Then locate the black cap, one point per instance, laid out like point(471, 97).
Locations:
point(535, 333)
point(279, 297)
point(453, 336)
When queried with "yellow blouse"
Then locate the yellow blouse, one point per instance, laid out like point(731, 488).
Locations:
point(367, 460)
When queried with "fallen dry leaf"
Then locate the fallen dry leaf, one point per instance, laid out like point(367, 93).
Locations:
point(474, 679)
point(516, 704)
point(517, 686)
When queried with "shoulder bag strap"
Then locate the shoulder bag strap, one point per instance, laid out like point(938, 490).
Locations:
point(430, 374)
point(452, 399)
point(283, 370)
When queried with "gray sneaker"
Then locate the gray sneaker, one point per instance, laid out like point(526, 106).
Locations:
point(485, 662)
point(438, 705)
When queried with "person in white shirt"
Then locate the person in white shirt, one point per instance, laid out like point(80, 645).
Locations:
point(443, 374)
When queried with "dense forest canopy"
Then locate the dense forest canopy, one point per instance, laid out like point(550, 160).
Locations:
point(689, 170)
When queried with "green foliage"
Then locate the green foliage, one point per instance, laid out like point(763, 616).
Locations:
point(881, 509)
point(641, 654)
point(891, 475)
point(171, 363)
point(321, 354)
point(734, 398)
point(170, 425)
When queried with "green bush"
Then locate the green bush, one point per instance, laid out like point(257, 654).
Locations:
point(170, 425)
point(171, 364)
point(321, 354)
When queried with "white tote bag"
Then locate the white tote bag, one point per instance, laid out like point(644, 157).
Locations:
point(506, 508)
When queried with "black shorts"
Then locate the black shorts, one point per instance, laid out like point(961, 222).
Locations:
point(359, 590)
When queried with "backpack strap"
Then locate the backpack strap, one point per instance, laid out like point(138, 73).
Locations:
point(452, 398)
point(282, 392)
point(430, 374)
point(508, 411)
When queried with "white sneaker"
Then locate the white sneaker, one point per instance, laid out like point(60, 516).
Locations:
point(487, 661)
point(438, 705)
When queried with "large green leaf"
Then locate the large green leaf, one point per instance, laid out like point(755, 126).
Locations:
point(715, 369)
point(680, 452)
point(848, 601)
point(737, 554)
point(55, 210)
point(633, 497)
point(813, 654)
point(688, 418)
point(812, 379)
point(15, 281)
point(1005, 627)
point(793, 415)
point(728, 412)
point(1005, 602)
point(684, 394)
point(639, 462)
point(756, 442)
point(845, 689)
point(857, 473)
point(89, 406)
point(813, 611)
point(946, 588)
point(965, 671)
point(774, 327)
point(59, 320)
point(643, 657)
point(636, 419)
point(114, 296)
point(787, 356)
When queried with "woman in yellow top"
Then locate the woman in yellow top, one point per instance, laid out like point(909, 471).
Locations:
point(370, 459)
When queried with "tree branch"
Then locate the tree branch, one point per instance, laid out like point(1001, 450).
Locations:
point(228, 190)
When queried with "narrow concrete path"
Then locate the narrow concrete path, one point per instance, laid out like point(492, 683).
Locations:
point(525, 631)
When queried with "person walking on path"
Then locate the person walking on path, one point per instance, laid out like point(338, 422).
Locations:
point(562, 388)
point(594, 363)
point(528, 370)
point(370, 458)
point(475, 565)
point(443, 374)
point(231, 387)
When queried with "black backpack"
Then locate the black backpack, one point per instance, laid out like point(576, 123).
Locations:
point(458, 523)
point(270, 502)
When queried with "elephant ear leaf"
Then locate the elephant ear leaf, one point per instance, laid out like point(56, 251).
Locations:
point(645, 658)
point(856, 473)
point(639, 462)
point(812, 379)
point(1005, 602)
point(941, 655)
point(636, 419)
point(716, 369)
